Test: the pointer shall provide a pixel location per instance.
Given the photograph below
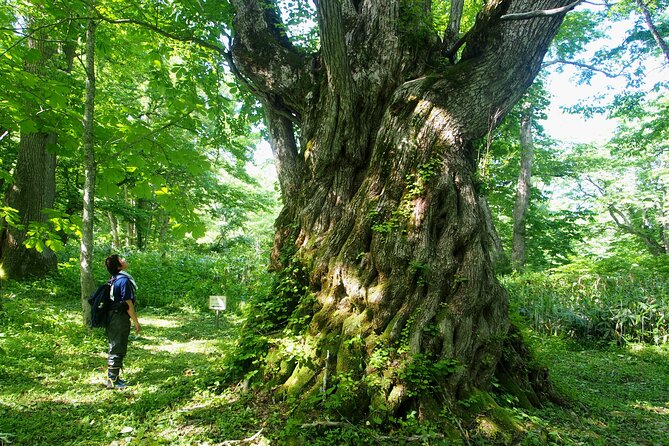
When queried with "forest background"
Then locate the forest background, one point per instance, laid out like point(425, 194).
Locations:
point(148, 148)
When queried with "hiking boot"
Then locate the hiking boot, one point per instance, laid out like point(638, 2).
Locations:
point(113, 380)
point(115, 383)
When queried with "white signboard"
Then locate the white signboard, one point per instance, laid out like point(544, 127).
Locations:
point(217, 303)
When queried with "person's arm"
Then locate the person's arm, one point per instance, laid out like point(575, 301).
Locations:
point(133, 315)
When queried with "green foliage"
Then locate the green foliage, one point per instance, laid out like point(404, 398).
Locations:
point(579, 28)
point(415, 25)
point(50, 234)
point(609, 301)
point(616, 395)
point(284, 306)
point(424, 376)
point(171, 144)
point(299, 19)
point(52, 368)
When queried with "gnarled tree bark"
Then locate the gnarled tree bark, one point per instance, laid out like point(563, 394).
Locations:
point(373, 145)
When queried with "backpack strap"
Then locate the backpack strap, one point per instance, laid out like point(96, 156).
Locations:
point(111, 289)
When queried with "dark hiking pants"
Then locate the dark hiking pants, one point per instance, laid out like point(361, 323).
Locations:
point(118, 330)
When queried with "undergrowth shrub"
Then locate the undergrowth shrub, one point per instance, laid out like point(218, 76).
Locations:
point(616, 300)
point(180, 277)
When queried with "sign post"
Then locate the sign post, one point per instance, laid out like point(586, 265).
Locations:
point(217, 303)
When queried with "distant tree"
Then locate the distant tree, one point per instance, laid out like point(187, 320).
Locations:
point(522, 191)
point(629, 178)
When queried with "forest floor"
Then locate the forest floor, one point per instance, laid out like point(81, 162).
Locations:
point(52, 388)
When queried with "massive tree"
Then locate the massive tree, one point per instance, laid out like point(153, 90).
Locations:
point(373, 139)
point(34, 186)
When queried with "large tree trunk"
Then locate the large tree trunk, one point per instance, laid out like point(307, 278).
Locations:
point(381, 215)
point(34, 190)
point(34, 187)
point(522, 192)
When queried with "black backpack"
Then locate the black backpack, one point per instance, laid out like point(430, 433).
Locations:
point(100, 305)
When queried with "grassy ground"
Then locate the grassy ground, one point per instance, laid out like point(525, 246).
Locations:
point(52, 370)
point(618, 396)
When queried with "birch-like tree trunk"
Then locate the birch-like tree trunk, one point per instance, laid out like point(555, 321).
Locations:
point(372, 138)
point(523, 187)
point(86, 249)
point(113, 224)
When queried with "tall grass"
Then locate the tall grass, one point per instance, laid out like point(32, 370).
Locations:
point(615, 301)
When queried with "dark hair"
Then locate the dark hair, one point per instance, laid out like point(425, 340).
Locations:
point(113, 264)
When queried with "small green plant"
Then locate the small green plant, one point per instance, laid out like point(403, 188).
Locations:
point(416, 186)
point(423, 375)
point(420, 270)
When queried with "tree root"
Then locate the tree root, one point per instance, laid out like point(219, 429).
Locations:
point(242, 441)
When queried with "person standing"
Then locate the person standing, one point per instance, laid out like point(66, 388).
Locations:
point(122, 312)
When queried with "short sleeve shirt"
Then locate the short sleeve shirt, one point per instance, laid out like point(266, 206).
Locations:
point(123, 289)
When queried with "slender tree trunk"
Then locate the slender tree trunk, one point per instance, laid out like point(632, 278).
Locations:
point(86, 255)
point(130, 225)
point(143, 219)
point(522, 192)
point(382, 221)
point(163, 228)
point(34, 187)
point(113, 224)
point(452, 33)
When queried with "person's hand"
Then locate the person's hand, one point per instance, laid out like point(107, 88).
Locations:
point(137, 328)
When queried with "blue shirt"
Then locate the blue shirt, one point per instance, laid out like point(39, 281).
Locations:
point(123, 288)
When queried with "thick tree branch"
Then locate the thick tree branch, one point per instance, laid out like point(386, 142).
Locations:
point(333, 46)
point(541, 13)
point(289, 164)
point(506, 55)
point(653, 30)
point(627, 226)
point(455, 47)
point(264, 54)
point(622, 221)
